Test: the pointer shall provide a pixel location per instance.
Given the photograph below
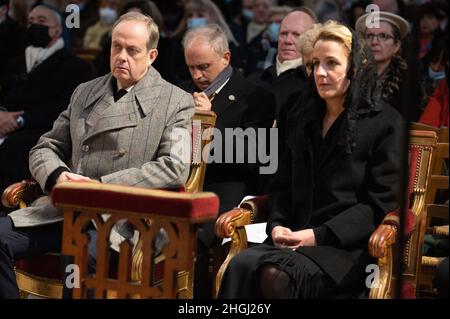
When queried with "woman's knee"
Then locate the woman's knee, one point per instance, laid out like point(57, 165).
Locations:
point(273, 282)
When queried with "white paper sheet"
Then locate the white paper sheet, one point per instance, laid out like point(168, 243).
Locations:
point(256, 233)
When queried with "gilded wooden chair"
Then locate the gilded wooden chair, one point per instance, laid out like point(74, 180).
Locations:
point(436, 218)
point(41, 275)
point(382, 242)
point(148, 211)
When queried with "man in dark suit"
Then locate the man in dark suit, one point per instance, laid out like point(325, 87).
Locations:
point(35, 89)
point(239, 104)
point(286, 78)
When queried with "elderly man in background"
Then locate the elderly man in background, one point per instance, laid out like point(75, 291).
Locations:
point(286, 78)
point(35, 89)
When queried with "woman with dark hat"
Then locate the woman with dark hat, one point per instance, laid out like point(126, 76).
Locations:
point(384, 38)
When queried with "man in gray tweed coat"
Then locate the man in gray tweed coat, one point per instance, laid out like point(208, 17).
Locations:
point(118, 129)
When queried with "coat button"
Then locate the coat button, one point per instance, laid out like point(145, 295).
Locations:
point(85, 148)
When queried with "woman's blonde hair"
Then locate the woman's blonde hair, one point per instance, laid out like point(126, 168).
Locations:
point(332, 30)
point(307, 39)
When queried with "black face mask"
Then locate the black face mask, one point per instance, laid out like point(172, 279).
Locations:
point(38, 35)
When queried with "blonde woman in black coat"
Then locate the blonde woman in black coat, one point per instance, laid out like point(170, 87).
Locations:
point(339, 176)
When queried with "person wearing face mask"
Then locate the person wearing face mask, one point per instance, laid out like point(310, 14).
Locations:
point(436, 111)
point(433, 68)
point(198, 13)
point(35, 88)
point(12, 36)
point(107, 16)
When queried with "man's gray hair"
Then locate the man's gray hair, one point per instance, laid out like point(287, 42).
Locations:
point(212, 34)
point(152, 27)
point(54, 11)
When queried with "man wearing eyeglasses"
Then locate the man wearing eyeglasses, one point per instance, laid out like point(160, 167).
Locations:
point(35, 88)
point(384, 39)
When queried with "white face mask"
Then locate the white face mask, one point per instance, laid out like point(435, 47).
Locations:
point(272, 31)
point(436, 76)
point(108, 15)
point(196, 22)
point(247, 13)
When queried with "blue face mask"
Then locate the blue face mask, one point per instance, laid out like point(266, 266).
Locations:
point(436, 76)
point(247, 14)
point(196, 22)
point(272, 31)
point(108, 15)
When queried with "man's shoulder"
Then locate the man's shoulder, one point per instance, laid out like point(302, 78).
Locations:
point(247, 86)
point(97, 81)
point(264, 77)
point(86, 88)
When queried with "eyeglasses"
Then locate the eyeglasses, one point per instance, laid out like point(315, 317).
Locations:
point(383, 37)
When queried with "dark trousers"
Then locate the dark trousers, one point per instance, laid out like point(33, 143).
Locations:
point(18, 243)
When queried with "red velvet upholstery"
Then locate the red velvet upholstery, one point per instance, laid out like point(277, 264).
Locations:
point(410, 221)
point(410, 218)
point(48, 266)
point(408, 291)
point(139, 200)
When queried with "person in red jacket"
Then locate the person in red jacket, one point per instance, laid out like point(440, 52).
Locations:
point(436, 111)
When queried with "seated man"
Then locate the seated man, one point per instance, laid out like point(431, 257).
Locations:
point(35, 89)
point(119, 128)
point(239, 105)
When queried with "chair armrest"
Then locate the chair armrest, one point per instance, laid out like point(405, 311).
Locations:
point(232, 225)
point(382, 246)
point(381, 240)
point(18, 195)
point(229, 222)
point(136, 200)
point(384, 236)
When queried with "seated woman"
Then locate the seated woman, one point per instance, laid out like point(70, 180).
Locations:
point(395, 71)
point(338, 178)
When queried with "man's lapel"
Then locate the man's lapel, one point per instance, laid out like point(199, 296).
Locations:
point(230, 94)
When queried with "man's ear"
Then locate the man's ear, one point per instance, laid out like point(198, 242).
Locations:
point(57, 33)
point(226, 58)
point(153, 53)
